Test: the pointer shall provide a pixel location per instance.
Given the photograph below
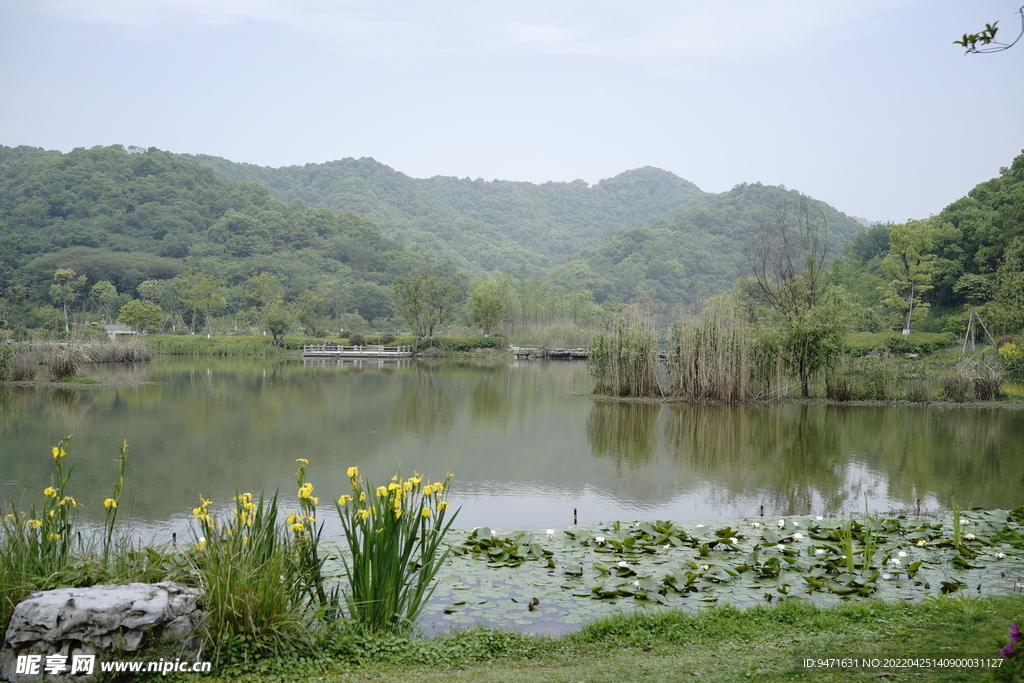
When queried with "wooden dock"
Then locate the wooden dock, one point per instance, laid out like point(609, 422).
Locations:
point(550, 353)
point(369, 351)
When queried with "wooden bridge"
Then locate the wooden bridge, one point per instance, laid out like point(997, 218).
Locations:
point(369, 351)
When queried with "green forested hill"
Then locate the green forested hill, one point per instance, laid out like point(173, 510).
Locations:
point(483, 226)
point(697, 253)
point(126, 216)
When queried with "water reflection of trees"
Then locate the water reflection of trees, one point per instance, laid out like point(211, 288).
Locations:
point(425, 404)
point(625, 432)
point(786, 456)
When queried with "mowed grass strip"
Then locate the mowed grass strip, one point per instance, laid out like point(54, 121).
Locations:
point(721, 644)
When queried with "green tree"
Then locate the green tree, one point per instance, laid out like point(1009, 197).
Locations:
point(279, 319)
point(910, 264)
point(788, 257)
point(201, 292)
point(426, 300)
point(264, 289)
point(65, 290)
point(486, 305)
point(141, 315)
point(312, 309)
point(105, 295)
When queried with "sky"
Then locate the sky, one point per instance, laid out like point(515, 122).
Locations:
point(864, 104)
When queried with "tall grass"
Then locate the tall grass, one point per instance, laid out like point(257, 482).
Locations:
point(709, 357)
point(251, 582)
point(624, 363)
point(394, 535)
point(193, 345)
point(717, 355)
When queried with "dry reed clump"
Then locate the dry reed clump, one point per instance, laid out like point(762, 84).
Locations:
point(970, 381)
point(25, 366)
point(127, 351)
point(624, 363)
point(840, 388)
point(64, 360)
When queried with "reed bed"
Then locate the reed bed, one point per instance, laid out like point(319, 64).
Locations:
point(718, 356)
point(625, 363)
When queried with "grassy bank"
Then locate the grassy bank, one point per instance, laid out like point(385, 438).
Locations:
point(721, 644)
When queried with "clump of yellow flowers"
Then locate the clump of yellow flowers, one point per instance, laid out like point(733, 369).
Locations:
point(394, 533)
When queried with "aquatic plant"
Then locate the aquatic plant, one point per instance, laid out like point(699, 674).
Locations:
point(624, 363)
point(394, 534)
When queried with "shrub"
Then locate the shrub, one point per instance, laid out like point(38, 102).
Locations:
point(357, 339)
point(1011, 355)
point(386, 338)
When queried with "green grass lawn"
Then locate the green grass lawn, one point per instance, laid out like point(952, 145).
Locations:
point(721, 644)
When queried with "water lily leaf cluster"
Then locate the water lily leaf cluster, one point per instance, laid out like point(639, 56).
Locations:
point(586, 571)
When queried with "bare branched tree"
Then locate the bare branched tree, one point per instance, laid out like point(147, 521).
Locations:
point(788, 257)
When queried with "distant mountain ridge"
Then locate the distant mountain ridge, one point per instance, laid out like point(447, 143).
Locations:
point(483, 226)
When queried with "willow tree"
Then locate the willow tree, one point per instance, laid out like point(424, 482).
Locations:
point(788, 257)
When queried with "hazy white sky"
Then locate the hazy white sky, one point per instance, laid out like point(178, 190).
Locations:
point(864, 104)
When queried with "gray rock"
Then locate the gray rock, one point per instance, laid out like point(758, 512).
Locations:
point(106, 621)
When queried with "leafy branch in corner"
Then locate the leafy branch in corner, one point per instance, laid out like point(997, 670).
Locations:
point(985, 40)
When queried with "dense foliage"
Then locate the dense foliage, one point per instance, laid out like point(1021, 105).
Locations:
point(481, 226)
point(694, 255)
point(127, 217)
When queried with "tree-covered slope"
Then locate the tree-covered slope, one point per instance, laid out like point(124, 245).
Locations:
point(484, 226)
point(696, 253)
point(126, 216)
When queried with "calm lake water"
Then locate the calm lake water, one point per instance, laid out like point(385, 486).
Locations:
point(524, 452)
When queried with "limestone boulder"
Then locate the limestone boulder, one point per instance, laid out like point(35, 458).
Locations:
point(106, 622)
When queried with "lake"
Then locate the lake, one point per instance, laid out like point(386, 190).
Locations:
point(526, 445)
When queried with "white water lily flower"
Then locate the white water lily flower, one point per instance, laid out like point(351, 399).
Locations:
point(901, 554)
point(1019, 585)
point(705, 567)
point(782, 523)
point(969, 537)
point(700, 526)
point(798, 537)
point(819, 518)
point(756, 525)
point(780, 547)
point(796, 523)
point(734, 540)
point(550, 532)
point(964, 522)
point(637, 583)
point(623, 563)
point(895, 560)
point(886, 576)
point(1000, 556)
point(667, 546)
point(819, 551)
point(598, 539)
point(922, 543)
